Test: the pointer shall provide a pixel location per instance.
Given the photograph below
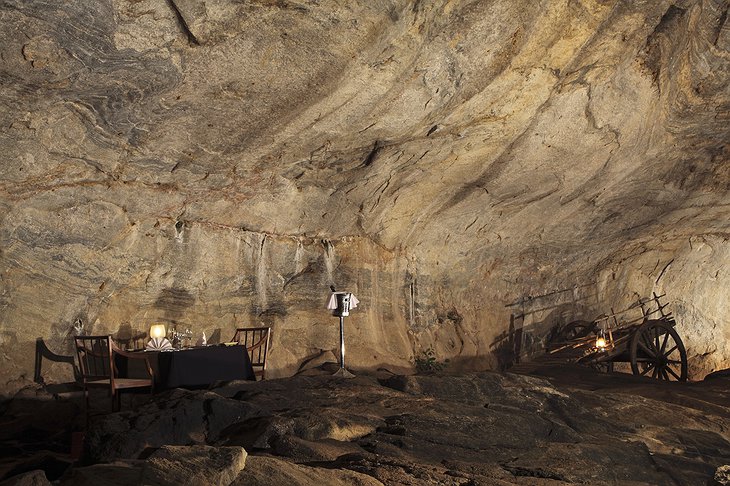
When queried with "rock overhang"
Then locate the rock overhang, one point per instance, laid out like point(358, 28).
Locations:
point(455, 156)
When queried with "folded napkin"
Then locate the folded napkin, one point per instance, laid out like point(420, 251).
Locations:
point(157, 344)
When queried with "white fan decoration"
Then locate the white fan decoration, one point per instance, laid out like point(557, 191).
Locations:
point(157, 344)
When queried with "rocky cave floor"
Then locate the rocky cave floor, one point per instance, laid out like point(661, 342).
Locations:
point(560, 425)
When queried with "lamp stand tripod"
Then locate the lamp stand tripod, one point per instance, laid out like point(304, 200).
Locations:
point(342, 372)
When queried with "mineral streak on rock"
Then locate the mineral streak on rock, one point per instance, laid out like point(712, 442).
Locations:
point(219, 164)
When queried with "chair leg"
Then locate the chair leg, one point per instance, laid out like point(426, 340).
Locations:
point(115, 400)
point(87, 408)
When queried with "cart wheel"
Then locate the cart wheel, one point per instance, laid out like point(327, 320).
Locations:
point(657, 351)
point(577, 329)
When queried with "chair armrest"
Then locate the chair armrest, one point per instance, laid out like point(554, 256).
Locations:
point(137, 356)
point(127, 354)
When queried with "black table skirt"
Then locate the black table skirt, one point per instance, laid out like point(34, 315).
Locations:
point(193, 368)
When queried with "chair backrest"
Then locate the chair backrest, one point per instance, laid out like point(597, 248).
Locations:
point(95, 358)
point(136, 340)
point(256, 340)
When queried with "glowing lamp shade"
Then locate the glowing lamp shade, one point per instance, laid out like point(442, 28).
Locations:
point(601, 342)
point(158, 340)
point(157, 331)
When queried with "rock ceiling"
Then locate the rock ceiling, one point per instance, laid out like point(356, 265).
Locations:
point(218, 163)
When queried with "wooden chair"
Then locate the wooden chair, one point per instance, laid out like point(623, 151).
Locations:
point(96, 362)
point(256, 340)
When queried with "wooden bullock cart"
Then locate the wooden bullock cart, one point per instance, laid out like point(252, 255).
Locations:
point(649, 342)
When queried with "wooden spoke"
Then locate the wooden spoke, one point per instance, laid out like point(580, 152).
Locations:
point(669, 369)
point(651, 365)
point(664, 344)
point(666, 355)
point(647, 350)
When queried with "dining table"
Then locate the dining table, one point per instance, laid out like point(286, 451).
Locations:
point(194, 367)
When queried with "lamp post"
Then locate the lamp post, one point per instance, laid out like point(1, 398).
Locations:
point(340, 304)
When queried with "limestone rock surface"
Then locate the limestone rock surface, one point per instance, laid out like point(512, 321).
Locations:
point(561, 425)
point(566, 426)
point(117, 473)
point(218, 164)
point(194, 465)
point(265, 471)
point(175, 418)
point(31, 478)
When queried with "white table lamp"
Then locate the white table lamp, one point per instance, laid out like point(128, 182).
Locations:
point(158, 339)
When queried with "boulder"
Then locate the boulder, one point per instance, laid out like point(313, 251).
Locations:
point(302, 450)
point(177, 417)
point(169, 465)
point(117, 473)
point(194, 466)
point(269, 471)
point(615, 460)
point(30, 478)
point(53, 463)
point(722, 476)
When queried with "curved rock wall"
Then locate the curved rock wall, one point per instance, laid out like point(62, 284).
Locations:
point(217, 163)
